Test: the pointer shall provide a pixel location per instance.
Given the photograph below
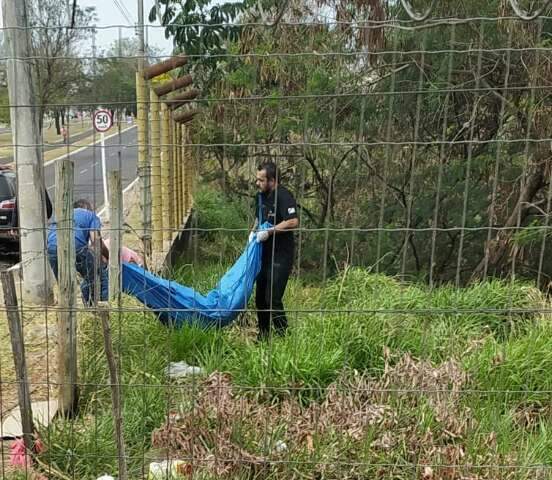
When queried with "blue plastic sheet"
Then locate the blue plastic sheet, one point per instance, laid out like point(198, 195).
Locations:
point(177, 305)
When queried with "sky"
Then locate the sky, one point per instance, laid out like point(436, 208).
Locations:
point(110, 15)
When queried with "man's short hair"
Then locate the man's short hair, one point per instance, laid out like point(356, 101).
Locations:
point(83, 203)
point(271, 170)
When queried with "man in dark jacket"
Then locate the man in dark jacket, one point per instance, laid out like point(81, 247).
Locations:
point(276, 205)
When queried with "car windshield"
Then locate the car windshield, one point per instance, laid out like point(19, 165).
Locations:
point(7, 186)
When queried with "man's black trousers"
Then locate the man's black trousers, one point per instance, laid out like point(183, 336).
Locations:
point(271, 286)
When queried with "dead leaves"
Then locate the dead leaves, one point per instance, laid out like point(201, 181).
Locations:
point(226, 433)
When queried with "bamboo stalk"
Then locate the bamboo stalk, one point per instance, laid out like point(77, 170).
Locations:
point(172, 175)
point(182, 98)
point(144, 172)
point(189, 171)
point(185, 159)
point(157, 199)
point(178, 165)
point(185, 117)
point(165, 175)
point(165, 66)
point(173, 85)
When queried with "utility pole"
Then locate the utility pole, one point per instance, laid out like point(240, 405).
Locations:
point(26, 136)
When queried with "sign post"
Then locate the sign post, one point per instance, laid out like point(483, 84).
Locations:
point(103, 121)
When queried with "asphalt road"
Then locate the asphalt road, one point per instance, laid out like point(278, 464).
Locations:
point(121, 152)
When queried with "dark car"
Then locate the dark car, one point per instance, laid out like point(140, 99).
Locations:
point(9, 222)
point(8, 207)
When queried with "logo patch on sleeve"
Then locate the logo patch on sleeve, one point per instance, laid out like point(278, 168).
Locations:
point(291, 211)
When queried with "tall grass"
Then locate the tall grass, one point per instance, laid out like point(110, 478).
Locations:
point(85, 446)
point(357, 324)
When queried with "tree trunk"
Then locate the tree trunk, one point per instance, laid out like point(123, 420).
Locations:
point(41, 119)
point(56, 119)
point(497, 249)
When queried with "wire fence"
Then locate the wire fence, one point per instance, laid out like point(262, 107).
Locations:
point(412, 141)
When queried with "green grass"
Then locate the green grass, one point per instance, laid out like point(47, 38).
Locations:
point(85, 446)
point(360, 327)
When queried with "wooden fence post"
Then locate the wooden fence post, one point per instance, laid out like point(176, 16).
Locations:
point(66, 318)
point(116, 400)
point(18, 349)
point(116, 216)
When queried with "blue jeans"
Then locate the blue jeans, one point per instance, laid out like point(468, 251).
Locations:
point(86, 267)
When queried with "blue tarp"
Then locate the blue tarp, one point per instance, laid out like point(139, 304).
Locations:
point(177, 305)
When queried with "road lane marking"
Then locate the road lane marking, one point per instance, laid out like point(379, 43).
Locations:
point(50, 162)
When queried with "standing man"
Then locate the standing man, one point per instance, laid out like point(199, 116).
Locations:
point(276, 205)
point(87, 228)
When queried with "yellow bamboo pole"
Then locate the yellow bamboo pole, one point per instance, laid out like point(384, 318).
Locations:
point(171, 165)
point(183, 176)
point(157, 199)
point(175, 173)
point(190, 170)
point(144, 172)
point(186, 180)
point(178, 150)
point(184, 153)
point(183, 170)
point(165, 175)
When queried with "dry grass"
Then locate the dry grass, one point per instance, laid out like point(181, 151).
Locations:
point(40, 332)
point(361, 424)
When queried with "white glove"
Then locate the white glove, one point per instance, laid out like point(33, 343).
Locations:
point(251, 237)
point(262, 236)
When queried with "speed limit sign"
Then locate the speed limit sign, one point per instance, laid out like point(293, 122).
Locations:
point(103, 120)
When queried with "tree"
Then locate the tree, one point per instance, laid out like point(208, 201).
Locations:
point(111, 82)
point(54, 45)
point(4, 97)
point(414, 134)
point(200, 27)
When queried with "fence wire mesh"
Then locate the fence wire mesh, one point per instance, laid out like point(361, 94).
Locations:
point(414, 140)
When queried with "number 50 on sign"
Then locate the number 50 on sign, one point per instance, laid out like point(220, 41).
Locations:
point(103, 120)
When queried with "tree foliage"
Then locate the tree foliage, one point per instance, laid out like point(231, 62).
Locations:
point(200, 27)
point(111, 80)
point(427, 139)
point(54, 47)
